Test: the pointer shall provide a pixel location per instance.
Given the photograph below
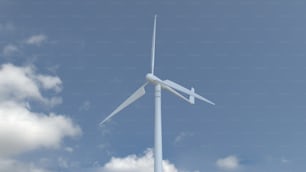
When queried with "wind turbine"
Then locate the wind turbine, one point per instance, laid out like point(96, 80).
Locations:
point(159, 84)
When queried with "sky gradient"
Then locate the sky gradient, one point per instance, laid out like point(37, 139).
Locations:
point(65, 65)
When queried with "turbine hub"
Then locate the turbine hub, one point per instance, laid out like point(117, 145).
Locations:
point(152, 78)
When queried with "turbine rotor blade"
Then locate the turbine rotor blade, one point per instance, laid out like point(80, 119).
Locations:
point(175, 93)
point(153, 46)
point(186, 91)
point(135, 96)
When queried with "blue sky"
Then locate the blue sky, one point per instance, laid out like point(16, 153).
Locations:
point(83, 58)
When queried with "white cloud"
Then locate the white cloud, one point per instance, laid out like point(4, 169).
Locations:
point(50, 82)
point(69, 149)
point(134, 163)
point(181, 136)
point(9, 50)
point(16, 83)
point(21, 129)
point(8, 165)
point(85, 106)
point(63, 163)
point(228, 163)
point(23, 83)
point(36, 39)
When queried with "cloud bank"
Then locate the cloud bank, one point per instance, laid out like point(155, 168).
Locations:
point(36, 39)
point(15, 166)
point(228, 163)
point(22, 129)
point(17, 48)
point(10, 49)
point(134, 163)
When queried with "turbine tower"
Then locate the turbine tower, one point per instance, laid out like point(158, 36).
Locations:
point(168, 85)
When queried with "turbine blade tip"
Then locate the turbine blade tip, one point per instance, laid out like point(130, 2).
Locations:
point(103, 122)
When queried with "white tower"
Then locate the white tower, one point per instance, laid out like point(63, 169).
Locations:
point(159, 85)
